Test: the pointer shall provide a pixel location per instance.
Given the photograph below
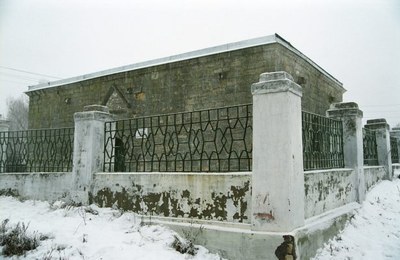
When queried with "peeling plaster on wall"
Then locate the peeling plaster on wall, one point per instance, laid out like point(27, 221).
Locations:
point(219, 200)
point(373, 175)
point(328, 189)
point(9, 192)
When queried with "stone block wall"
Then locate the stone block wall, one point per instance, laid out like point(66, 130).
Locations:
point(211, 81)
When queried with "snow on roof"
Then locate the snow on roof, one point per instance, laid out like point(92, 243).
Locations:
point(275, 38)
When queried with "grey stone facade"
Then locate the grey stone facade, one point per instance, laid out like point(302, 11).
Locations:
point(210, 78)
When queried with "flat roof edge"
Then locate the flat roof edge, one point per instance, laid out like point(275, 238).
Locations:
point(299, 53)
point(275, 38)
point(174, 58)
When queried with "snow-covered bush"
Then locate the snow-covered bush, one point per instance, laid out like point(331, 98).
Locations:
point(16, 240)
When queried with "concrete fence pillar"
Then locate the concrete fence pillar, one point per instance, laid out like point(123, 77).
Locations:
point(351, 117)
point(278, 178)
point(4, 127)
point(381, 129)
point(396, 133)
point(88, 148)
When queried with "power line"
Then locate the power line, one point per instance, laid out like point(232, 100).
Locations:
point(376, 117)
point(389, 105)
point(4, 76)
point(30, 78)
point(385, 111)
point(29, 72)
point(19, 82)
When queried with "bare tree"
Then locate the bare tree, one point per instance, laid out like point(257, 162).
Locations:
point(17, 114)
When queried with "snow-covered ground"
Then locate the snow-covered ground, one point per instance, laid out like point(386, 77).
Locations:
point(374, 232)
point(74, 233)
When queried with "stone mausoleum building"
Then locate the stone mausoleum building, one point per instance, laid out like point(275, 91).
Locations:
point(208, 78)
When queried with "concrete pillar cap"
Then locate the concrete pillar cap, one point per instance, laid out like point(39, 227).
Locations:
point(344, 109)
point(344, 105)
point(275, 82)
point(96, 108)
point(277, 75)
point(379, 123)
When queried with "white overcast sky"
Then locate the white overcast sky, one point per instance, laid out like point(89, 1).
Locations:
point(358, 41)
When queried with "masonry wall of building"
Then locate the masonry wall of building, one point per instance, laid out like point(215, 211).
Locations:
point(211, 81)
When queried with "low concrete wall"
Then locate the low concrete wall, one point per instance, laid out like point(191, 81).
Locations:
point(214, 207)
point(210, 196)
point(48, 186)
point(319, 229)
point(328, 189)
point(373, 175)
point(232, 242)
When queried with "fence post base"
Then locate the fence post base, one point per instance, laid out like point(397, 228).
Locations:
point(277, 179)
point(351, 117)
point(88, 149)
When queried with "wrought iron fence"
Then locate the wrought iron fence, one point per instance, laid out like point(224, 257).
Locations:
point(394, 150)
point(322, 142)
point(215, 140)
point(42, 150)
point(370, 148)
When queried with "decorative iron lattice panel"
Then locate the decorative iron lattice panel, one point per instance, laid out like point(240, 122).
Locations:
point(370, 148)
point(215, 140)
point(394, 150)
point(322, 142)
point(42, 150)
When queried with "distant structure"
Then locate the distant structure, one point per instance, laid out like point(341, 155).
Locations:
point(208, 78)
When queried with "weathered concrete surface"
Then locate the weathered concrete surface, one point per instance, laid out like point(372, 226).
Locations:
point(373, 175)
point(232, 243)
point(278, 180)
point(237, 241)
point(328, 189)
point(217, 202)
point(318, 230)
point(49, 186)
point(395, 132)
point(4, 127)
point(210, 196)
point(351, 117)
point(88, 156)
point(381, 129)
